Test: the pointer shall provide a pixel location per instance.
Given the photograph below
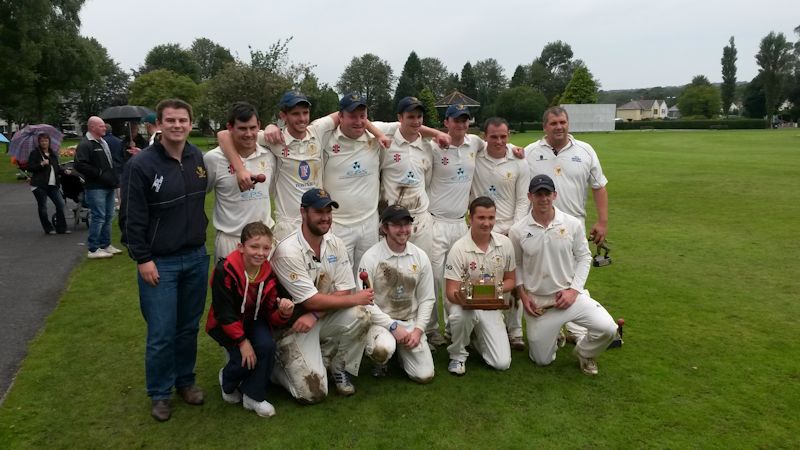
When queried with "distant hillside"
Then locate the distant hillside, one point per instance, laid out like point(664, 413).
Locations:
point(668, 93)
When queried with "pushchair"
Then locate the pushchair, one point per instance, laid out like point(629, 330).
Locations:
point(72, 188)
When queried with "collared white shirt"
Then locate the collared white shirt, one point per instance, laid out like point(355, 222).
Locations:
point(504, 180)
point(466, 256)
point(234, 209)
point(406, 172)
point(453, 170)
point(352, 175)
point(575, 168)
point(403, 284)
point(303, 275)
point(298, 167)
point(551, 258)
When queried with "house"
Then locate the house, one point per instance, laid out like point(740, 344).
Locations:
point(674, 112)
point(643, 110)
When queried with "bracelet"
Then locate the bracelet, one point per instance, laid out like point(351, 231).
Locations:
point(316, 316)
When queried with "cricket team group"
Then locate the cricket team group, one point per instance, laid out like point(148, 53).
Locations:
point(374, 222)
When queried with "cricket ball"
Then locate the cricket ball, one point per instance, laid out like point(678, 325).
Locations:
point(260, 178)
point(620, 321)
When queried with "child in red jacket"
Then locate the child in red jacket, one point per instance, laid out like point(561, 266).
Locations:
point(246, 302)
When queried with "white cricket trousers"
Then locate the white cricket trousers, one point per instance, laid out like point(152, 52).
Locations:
point(489, 331)
point(285, 226)
point(357, 237)
point(224, 244)
point(422, 232)
point(299, 365)
point(445, 233)
point(417, 362)
point(586, 312)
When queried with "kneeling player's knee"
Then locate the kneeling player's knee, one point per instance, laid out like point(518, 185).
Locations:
point(422, 377)
point(501, 364)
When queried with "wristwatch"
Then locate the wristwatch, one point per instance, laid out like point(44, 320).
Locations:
point(393, 327)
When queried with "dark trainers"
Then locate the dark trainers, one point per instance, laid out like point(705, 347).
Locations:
point(192, 395)
point(379, 370)
point(160, 410)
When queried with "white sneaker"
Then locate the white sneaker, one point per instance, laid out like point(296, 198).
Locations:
point(588, 365)
point(113, 250)
point(234, 397)
point(343, 383)
point(262, 408)
point(457, 367)
point(99, 254)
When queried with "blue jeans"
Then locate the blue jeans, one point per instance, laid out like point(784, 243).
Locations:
point(101, 214)
point(252, 383)
point(41, 194)
point(172, 310)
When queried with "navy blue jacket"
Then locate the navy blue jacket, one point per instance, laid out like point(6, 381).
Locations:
point(91, 161)
point(163, 203)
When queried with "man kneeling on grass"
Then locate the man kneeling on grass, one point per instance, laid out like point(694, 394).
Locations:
point(245, 305)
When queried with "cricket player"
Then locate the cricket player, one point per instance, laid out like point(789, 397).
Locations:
point(573, 165)
point(400, 274)
point(480, 255)
point(503, 178)
point(311, 263)
point(552, 259)
point(233, 209)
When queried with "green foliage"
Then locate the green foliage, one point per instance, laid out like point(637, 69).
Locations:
point(582, 88)
point(435, 76)
point(431, 117)
point(700, 99)
point(173, 58)
point(728, 87)
point(552, 70)
point(468, 84)
point(107, 87)
point(774, 59)
point(150, 88)
point(519, 78)
point(520, 104)
point(210, 57)
point(490, 80)
point(371, 77)
point(754, 99)
point(323, 99)
point(43, 57)
point(410, 83)
point(242, 82)
point(699, 124)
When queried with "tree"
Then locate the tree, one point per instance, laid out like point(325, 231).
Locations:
point(431, 117)
point(150, 88)
point(521, 103)
point(210, 57)
point(490, 79)
point(753, 99)
point(552, 70)
point(774, 60)
point(173, 58)
point(371, 77)
point(520, 77)
point(435, 76)
point(728, 87)
point(699, 98)
point(410, 82)
point(468, 85)
point(323, 99)
point(44, 57)
point(793, 89)
point(582, 88)
point(245, 82)
point(108, 86)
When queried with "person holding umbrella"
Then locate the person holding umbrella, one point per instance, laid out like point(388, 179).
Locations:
point(43, 164)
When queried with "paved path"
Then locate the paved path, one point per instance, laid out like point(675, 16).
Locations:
point(33, 272)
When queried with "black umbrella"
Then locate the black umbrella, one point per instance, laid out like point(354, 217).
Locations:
point(125, 112)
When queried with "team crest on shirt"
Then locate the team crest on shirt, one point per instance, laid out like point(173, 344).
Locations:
point(509, 175)
point(263, 166)
point(472, 155)
point(312, 148)
point(414, 268)
point(562, 232)
point(201, 172)
point(293, 276)
point(558, 171)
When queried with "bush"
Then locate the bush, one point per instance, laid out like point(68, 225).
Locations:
point(736, 124)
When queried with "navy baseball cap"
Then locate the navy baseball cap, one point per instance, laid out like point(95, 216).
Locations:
point(541, 182)
point(409, 104)
point(317, 198)
point(395, 213)
point(150, 118)
point(457, 110)
point(352, 101)
point(291, 98)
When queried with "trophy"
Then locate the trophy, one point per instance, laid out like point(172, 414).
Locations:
point(484, 293)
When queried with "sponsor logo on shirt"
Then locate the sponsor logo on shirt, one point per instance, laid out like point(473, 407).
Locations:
point(304, 171)
point(357, 171)
point(332, 259)
point(157, 181)
point(576, 159)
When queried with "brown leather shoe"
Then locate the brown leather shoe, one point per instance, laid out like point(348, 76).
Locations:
point(192, 395)
point(160, 410)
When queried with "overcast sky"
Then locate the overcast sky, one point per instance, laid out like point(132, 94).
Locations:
point(625, 43)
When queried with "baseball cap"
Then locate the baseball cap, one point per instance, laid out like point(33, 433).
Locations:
point(395, 213)
point(457, 110)
point(317, 198)
point(408, 104)
point(292, 98)
point(150, 118)
point(540, 182)
point(352, 101)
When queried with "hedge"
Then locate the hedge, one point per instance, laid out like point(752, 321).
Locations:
point(737, 124)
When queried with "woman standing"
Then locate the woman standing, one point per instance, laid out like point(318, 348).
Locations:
point(43, 163)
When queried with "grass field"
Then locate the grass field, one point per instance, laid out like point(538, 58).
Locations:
point(705, 253)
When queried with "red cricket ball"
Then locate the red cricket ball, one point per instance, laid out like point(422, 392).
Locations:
point(260, 178)
point(363, 275)
point(620, 321)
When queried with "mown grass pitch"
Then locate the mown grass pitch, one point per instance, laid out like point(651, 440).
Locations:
point(705, 249)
